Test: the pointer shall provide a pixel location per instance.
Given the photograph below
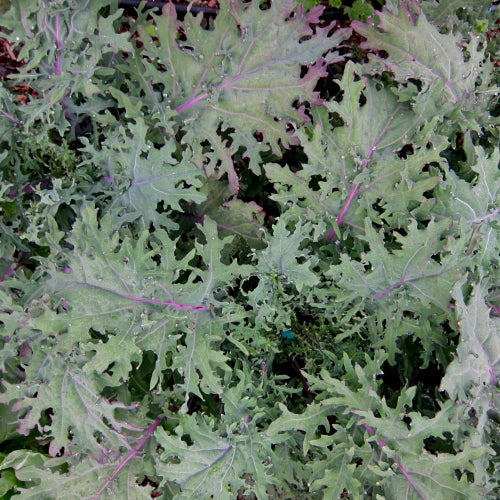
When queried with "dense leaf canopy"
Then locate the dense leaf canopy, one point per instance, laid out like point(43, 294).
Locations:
point(248, 257)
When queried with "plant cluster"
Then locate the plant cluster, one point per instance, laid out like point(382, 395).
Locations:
point(240, 261)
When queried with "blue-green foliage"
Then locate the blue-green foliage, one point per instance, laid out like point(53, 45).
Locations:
point(217, 284)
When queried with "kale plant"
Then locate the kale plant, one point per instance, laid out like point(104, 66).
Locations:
point(220, 280)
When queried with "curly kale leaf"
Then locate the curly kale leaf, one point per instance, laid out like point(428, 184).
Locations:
point(229, 78)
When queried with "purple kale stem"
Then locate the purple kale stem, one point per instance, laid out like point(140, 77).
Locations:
point(452, 90)
point(410, 17)
point(191, 102)
point(23, 22)
point(342, 213)
point(58, 68)
point(354, 191)
point(388, 289)
point(197, 218)
point(143, 300)
point(402, 281)
point(161, 303)
point(482, 219)
point(410, 482)
point(492, 375)
point(130, 456)
point(398, 463)
point(11, 118)
point(57, 34)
